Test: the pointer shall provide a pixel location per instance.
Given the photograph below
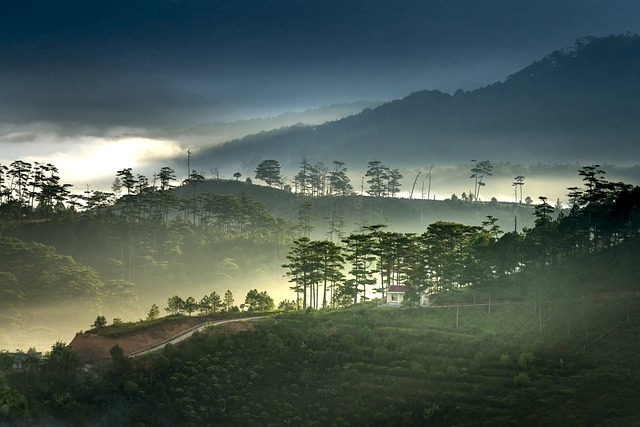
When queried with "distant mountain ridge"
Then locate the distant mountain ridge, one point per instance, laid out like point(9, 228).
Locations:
point(562, 108)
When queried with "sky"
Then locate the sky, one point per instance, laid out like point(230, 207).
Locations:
point(83, 84)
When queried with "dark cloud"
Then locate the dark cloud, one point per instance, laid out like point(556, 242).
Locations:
point(161, 62)
point(84, 91)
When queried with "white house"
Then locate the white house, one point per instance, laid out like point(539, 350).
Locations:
point(396, 296)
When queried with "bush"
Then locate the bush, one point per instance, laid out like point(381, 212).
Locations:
point(521, 380)
point(100, 322)
point(505, 360)
point(526, 359)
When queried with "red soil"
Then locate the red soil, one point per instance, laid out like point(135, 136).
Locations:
point(93, 347)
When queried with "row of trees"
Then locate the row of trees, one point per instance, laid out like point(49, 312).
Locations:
point(214, 303)
point(35, 191)
point(208, 304)
point(319, 180)
point(446, 256)
point(33, 188)
point(450, 255)
point(312, 179)
point(382, 181)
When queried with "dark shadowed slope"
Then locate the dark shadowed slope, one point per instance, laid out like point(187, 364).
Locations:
point(564, 108)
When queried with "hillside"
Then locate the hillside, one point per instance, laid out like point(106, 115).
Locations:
point(123, 255)
point(548, 351)
point(562, 108)
point(402, 214)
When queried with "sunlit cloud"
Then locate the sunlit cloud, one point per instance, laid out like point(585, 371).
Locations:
point(83, 160)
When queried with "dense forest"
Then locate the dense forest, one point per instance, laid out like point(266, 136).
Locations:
point(134, 248)
point(148, 239)
point(116, 253)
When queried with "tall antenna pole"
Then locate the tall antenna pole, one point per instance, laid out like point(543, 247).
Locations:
point(188, 163)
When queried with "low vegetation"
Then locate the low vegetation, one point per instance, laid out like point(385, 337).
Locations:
point(533, 356)
point(537, 328)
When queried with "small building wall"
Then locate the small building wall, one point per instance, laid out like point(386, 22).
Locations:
point(395, 297)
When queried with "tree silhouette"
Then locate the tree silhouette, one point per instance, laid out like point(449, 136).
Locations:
point(190, 305)
point(478, 171)
point(360, 254)
point(228, 300)
point(258, 301)
point(378, 175)
point(154, 312)
point(100, 322)
point(175, 305)
point(166, 176)
point(518, 182)
point(393, 185)
point(339, 182)
point(269, 172)
point(302, 269)
point(194, 179)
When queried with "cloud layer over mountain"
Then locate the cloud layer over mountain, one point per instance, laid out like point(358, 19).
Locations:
point(77, 75)
point(153, 62)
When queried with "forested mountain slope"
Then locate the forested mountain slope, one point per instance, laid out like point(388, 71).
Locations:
point(401, 214)
point(547, 352)
point(562, 108)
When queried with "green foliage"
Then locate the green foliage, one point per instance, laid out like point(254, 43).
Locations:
point(100, 322)
point(445, 365)
point(175, 305)
point(228, 300)
point(526, 359)
point(258, 301)
point(154, 312)
point(287, 305)
point(521, 380)
point(190, 305)
point(269, 172)
point(42, 274)
point(62, 358)
point(6, 360)
point(367, 365)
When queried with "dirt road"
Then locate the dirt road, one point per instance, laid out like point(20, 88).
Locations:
point(186, 334)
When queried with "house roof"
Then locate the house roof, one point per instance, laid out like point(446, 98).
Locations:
point(397, 289)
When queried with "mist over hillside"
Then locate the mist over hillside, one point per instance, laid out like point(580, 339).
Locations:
point(428, 210)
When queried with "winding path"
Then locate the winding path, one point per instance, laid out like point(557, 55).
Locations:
point(189, 332)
